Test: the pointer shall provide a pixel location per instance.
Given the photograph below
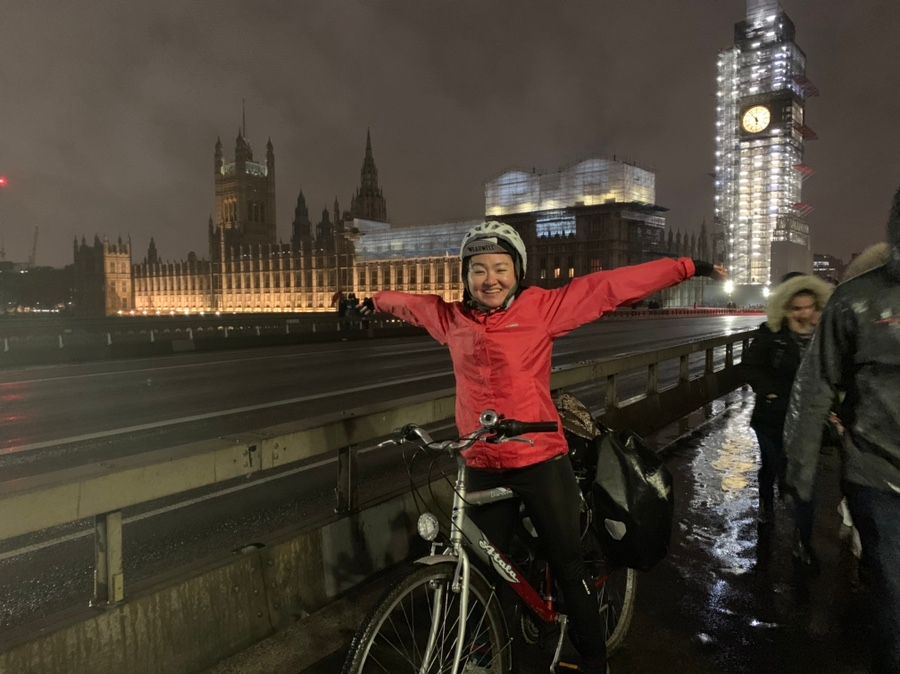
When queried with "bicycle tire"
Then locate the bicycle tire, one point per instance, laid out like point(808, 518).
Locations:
point(617, 592)
point(378, 646)
point(616, 598)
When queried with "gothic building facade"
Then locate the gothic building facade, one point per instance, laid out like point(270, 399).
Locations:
point(103, 277)
point(599, 214)
point(249, 270)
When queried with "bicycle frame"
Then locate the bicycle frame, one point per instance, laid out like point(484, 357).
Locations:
point(464, 533)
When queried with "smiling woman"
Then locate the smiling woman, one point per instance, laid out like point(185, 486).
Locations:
point(501, 340)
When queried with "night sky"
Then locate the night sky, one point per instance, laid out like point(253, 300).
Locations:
point(109, 111)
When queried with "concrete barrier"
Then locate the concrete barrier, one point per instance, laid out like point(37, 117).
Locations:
point(188, 622)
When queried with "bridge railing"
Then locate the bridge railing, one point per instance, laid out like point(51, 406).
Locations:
point(102, 491)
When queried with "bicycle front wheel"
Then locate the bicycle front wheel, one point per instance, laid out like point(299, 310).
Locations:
point(422, 609)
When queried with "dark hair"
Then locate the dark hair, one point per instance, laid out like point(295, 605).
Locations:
point(790, 275)
point(805, 291)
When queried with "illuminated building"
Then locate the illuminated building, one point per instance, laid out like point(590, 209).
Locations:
point(760, 135)
point(597, 214)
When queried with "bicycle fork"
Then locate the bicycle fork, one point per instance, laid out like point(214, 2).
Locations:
point(460, 586)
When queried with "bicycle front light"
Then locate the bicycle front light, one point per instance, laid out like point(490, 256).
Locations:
point(428, 526)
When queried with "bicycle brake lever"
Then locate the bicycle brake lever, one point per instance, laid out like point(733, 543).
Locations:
point(503, 438)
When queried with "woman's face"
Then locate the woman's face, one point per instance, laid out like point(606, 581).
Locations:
point(802, 313)
point(491, 278)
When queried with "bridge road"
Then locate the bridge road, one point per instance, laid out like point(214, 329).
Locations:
point(63, 415)
point(727, 599)
point(66, 415)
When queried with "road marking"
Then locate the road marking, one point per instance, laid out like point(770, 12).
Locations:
point(220, 413)
point(231, 361)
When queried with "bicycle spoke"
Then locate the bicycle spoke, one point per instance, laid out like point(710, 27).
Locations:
point(426, 614)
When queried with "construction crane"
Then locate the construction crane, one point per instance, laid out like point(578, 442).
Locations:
point(33, 248)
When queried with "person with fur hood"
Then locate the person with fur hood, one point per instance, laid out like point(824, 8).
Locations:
point(856, 352)
point(770, 365)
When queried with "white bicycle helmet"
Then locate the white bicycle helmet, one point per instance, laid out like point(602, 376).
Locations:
point(494, 237)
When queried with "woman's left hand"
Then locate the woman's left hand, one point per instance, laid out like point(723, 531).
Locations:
point(719, 273)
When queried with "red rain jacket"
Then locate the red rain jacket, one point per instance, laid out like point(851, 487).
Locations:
point(501, 359)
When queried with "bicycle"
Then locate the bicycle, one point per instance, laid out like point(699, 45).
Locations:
point(445, 616)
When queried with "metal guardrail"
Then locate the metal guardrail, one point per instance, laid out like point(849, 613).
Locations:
point(103, 490)
point(17, 334)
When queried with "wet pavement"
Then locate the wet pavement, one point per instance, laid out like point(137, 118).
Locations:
point(729, 596)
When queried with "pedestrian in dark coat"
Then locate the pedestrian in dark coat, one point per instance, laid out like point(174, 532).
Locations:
point(856, 352)
point(770, 365)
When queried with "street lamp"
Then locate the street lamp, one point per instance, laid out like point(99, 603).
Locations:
point(3, 183)
point(728, 287)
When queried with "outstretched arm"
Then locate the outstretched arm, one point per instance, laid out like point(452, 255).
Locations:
point(424, 311)
point(586, 298)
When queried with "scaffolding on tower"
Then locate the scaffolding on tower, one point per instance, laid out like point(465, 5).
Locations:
point(802, 209)
point(805, 131)
point(806, 87)
point(804, 171)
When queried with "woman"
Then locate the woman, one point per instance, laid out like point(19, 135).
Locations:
point(501, 341)
point(770, 364)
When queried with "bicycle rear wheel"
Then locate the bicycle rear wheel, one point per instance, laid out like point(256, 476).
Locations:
point(616, 592)
point(393, 640)
point(616, 585)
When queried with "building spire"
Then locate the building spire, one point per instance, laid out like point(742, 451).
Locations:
point(368, 203)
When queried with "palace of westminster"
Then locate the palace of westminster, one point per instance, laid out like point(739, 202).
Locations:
point(596, 214)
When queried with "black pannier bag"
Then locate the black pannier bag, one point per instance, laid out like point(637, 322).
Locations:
point(633, 501)
point(628, 486)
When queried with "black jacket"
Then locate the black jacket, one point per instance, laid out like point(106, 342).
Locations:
point(856, 350)
point(770, 365)
point(771, 362)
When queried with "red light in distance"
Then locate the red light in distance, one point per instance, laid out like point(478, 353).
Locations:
point(2, 181)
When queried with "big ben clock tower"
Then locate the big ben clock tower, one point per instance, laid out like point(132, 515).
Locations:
point(760, 136)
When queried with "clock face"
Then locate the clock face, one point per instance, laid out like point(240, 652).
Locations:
point(756, 119)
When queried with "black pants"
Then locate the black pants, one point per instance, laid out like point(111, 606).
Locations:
point(550, 494)
point(773, 464)
point(876, 515)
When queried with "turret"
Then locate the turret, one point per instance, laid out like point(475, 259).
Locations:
point(270, 158)
point(217, 164)
point(301, 234)
point(152, 254)
point(242, 151)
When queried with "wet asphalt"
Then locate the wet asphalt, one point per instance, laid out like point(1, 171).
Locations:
point(729, 597)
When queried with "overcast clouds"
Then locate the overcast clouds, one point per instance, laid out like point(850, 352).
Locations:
point(109, 111)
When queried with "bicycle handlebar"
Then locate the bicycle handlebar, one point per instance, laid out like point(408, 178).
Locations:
point(499, 430)
point(511, 427)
